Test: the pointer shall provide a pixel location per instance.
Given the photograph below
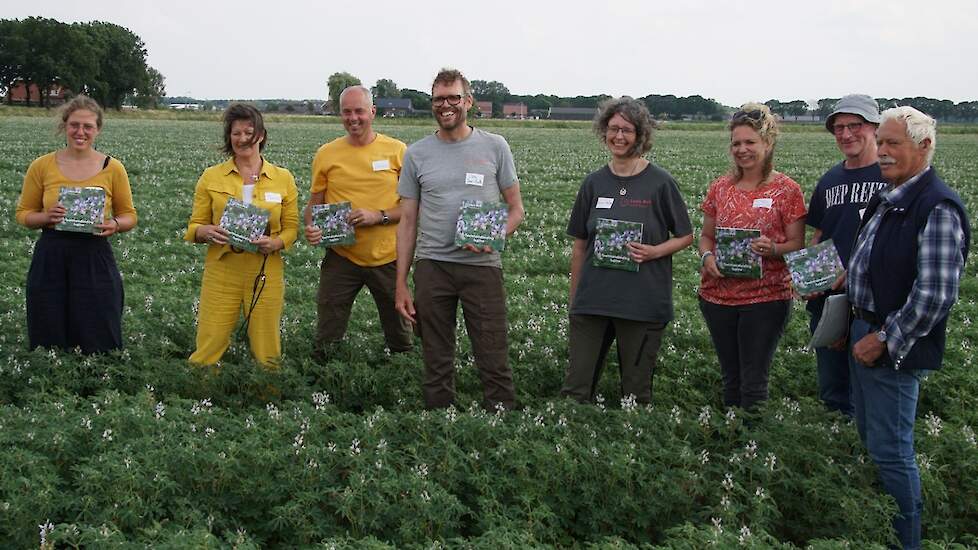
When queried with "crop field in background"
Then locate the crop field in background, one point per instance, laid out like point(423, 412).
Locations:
point(138, 448)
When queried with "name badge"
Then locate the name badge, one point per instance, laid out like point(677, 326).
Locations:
point(605, 202)
point(273, 197)
point(384, 164)
point(764, 203)
point(474, 179)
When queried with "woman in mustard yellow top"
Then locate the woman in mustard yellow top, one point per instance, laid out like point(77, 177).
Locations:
point(74, 290)
point(237, 282)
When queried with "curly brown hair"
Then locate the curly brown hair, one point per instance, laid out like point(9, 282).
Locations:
point(632, 110)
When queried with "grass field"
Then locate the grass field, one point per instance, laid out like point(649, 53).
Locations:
point(138, 448)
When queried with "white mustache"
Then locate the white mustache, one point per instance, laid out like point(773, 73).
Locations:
point(887, 161)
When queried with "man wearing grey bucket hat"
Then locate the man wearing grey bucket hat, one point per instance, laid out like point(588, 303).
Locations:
point(835, 209)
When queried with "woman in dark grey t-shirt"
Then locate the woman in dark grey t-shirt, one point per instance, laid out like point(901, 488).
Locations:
point(628, 220)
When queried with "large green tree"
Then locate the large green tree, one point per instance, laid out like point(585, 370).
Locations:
point(337, 83)
point(385, 87)
point(13, 54)
point(493, 91)
point(122, 66)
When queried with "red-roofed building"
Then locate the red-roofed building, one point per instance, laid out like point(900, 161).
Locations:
point(514, 110)
point(485, 108)
point(18, 94)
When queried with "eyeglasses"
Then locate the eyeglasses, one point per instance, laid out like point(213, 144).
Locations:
point(451, 99)
point(853, 127)
point(613, 131)
point(756, 114)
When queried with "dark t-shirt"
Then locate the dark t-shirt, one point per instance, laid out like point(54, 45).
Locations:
point(836, 208)
point(652, 197)
point(838, 201)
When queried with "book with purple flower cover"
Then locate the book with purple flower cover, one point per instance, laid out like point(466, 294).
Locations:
point(482, 223)
point(84, 208)
point(244, 223)
point(331, 218)
point(610, 240)
point(814, 269)
point(734, 256)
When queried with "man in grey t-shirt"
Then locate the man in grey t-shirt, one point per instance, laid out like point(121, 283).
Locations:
point(458, 162)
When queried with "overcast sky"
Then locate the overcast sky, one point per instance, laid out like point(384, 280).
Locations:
point(731, 51)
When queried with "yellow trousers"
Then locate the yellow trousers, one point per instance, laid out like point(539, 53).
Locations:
point(226, 294)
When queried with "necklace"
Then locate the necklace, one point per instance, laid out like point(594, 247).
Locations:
point(623, 189)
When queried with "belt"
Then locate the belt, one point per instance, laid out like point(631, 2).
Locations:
point(865, 315)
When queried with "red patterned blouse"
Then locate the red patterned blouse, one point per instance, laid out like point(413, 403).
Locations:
point(772, 207)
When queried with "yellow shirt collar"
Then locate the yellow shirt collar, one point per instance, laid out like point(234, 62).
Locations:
point(228, 167)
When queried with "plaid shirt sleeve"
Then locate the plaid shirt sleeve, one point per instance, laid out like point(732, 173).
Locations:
point(939, 266)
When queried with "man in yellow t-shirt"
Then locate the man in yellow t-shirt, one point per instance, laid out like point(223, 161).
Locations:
point(361, 168)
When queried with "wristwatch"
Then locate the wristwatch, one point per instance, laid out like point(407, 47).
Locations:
point(385, 219)
point(704, 256)
point(881, 335)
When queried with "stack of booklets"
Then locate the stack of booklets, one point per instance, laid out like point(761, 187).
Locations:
point(482, 223)
point(610, 240)
point(331, 219)
point(814, 269)
point(84, 208)
point(733, 254)
point(244, 223)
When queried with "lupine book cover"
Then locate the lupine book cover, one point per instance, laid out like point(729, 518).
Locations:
point(244, 223)
point(332, 219)
point(482, 223)
point(733, 254)
point(84, 208)
point(610, 240)
point(815, 268)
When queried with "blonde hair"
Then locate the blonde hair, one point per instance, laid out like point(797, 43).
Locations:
point(78, 103)
point(760, 118)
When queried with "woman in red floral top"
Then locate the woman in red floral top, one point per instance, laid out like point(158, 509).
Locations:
point(746, 316)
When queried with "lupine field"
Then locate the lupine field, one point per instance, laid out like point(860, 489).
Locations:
point(139, 449)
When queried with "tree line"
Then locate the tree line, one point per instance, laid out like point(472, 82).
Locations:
point(663, 107)
point(100, 59)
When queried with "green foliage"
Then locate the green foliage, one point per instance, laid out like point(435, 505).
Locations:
point(104, 60)
point(137, 448)
point(336, 84)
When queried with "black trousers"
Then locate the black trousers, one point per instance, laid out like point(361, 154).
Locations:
point(745, 338)
point(74, 293)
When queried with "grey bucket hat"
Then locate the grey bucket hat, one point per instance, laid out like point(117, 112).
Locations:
point(856, 104)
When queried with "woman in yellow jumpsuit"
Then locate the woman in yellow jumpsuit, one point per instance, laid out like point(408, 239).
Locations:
point(238, 282)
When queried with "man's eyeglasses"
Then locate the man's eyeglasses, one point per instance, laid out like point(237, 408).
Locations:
point(451, 99)
point(853, 127)
point(756, 115)
point(613, 131)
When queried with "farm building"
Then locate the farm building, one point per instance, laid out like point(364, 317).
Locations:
point(571, 113)
point(18, 94)
point(393, 106)
point(484, 108)
point(514, 110)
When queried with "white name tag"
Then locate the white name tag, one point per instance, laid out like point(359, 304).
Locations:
point(379, 165)
point(764, 203)
point(605, 202)
point(273, 197)
point(474, 179)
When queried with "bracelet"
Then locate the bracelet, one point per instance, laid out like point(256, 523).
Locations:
point(116, 223)
point(703, 257)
